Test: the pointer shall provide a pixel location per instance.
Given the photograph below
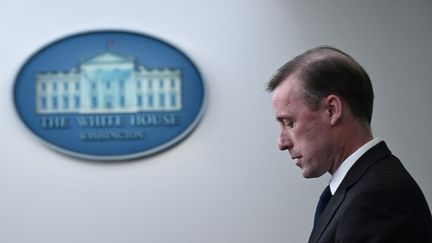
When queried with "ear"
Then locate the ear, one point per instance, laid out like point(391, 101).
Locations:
point(334, 107)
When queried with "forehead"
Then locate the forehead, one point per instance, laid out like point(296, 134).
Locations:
point(287, 93)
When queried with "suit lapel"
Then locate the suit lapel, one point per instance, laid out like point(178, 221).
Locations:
point(354, 174)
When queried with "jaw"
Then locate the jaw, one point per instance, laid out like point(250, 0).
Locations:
point(311, 171)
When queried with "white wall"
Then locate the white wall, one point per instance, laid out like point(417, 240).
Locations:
point(227, 182)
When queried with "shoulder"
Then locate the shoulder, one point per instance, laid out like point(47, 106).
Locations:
point(386, 181)
point(387, 176)
point(385, 197)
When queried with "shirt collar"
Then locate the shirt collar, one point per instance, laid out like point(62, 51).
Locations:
point(343, 169)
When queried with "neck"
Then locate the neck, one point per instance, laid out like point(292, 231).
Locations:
point(350, 139)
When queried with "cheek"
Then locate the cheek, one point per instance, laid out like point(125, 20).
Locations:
point(307, 135)
point(313, 143)
point(310, 134)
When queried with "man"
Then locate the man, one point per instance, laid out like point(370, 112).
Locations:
point(323, 101)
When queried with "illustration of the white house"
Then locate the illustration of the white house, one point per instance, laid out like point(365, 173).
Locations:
point(108, 83)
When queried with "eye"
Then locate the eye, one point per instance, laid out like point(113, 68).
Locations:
point(288, 123)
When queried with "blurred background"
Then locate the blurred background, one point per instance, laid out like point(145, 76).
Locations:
point(227, 182)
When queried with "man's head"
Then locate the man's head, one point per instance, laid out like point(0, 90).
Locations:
point(322, 99)
point(326, 70)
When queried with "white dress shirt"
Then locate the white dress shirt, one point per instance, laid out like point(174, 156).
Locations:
point(343, 169)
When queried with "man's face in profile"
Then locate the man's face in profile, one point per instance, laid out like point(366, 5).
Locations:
point(303, 132)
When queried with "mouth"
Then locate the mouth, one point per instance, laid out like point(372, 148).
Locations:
point(297, 159)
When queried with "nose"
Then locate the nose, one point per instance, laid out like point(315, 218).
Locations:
point(285, 142)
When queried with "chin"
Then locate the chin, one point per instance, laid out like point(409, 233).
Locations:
point(307, 175)
point(311, 174)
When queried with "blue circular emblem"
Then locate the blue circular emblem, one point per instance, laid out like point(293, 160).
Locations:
point(109, 95)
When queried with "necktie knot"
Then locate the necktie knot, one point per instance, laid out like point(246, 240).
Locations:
point(322, 203)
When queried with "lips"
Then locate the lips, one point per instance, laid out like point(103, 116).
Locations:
point(297, 159)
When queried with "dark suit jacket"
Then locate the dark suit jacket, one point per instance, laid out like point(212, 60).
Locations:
point(378, 201)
